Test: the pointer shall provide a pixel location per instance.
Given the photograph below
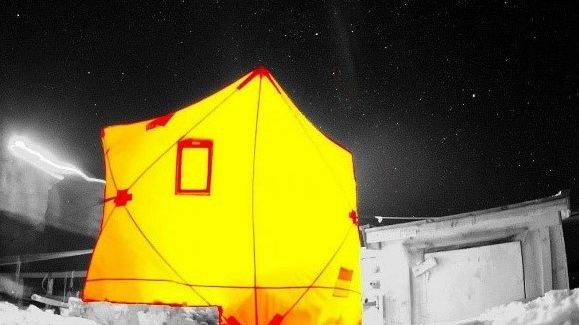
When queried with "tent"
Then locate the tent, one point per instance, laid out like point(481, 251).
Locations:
point(238, 202)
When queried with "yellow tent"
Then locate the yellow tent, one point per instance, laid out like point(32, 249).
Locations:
point(237, 201)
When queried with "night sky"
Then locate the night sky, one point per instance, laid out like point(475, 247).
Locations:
point(448, 106)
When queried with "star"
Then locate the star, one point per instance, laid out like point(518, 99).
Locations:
point(379, 59)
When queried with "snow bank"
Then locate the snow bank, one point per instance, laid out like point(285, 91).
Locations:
point(104, 313)
point(557, 307)
point(107, 313)
point(11, 315)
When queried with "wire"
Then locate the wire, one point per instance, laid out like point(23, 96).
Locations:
point(395, 218)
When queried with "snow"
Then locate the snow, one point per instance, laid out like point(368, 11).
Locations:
point(138, 314)
point(104, 313)
point(32, 315)
point(557, 307)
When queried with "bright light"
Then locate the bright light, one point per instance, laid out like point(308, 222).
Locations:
point(19, 148)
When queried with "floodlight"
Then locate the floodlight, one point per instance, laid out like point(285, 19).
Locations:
point(21, 148)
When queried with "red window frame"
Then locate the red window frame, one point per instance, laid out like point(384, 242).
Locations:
point(193, 144)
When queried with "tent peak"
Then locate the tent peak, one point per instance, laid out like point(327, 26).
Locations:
point(260, 71)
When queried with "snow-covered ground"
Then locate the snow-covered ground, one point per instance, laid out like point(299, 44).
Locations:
point(32, 315)
point(557, 307)
point(104, 313)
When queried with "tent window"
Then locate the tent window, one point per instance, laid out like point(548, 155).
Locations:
point(194, 159)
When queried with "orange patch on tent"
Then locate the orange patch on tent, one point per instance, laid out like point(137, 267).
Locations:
point(342, 287)
point(232, 321)
point(276, 320)
point(159, 121)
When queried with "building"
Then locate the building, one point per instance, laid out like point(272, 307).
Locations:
point(46, 227)
point(455, 267)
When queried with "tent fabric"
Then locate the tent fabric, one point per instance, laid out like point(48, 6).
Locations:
point(237, 201)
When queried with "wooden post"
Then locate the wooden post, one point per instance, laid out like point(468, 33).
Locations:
point(70, 285)
point(19, 284)
point(18, 266)
point(362, 230)
point(560, 275)
point(50, 286)
point(546, 259)
point(64, 289)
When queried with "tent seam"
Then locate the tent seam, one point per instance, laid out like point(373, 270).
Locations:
point(222, 286)
point(317, 149)
point(253, 199)
point(181, 137)
point(320, 273)
point(160, 255)
point(94, 250)
point(110, 169)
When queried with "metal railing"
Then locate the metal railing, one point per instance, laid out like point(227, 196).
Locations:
point(20, 259)
point(19, 276)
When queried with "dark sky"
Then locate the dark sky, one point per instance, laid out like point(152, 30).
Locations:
point(448, 106)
